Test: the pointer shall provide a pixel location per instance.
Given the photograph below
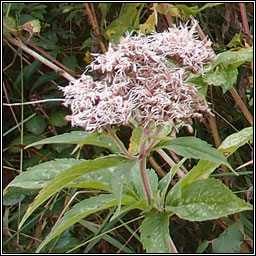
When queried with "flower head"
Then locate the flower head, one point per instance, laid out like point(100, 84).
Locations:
point(137, 81)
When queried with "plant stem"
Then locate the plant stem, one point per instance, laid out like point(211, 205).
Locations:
point(217, 141)
point(144, 177)
point(120, 144)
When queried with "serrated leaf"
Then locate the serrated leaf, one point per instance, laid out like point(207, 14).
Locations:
point(207, 199)
point(80, 211)
point(191, 147)
point(40, 175)
point(228, 242)
point(204, 168)
point(81, 138)
point(135, 141)
point(155, 233)
point(121, 174)
point(68, 176)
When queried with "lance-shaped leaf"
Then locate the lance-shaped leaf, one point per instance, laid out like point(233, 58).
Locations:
point(81, 138)
point(204, 168)
point(68, 176)
point(207, 199)
point(40, 175)
point(155, 233)
point(191, 147)
point(80, 211)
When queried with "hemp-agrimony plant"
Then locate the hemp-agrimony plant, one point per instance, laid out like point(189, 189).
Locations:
point(135, 82)
point(142, 83)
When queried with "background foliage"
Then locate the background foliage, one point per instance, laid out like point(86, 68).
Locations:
point(66, 36)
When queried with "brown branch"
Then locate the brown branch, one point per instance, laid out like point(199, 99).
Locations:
point(35, 55)
point(242, 106)
point(167, 15)
point(94, 23)
point(156, 167)
point(244, 18)
point(46, 54)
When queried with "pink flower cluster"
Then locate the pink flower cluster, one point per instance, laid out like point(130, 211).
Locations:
point(136, 81)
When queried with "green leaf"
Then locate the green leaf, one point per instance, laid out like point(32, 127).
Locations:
point(235, 58)
point(125, 22)
point(81, 138)
point(228, 242)
point(191, 147)
point(194, 9)
point(58, 118)
point(225, 77)
point(236, 140)
point(80, 211)
point(68, 176)
point(141, 205)
point(207, 199)
point(121, 174)
point(204, 168)
point(135, 141)
point(36, 125)
point(165, 181)
point(40, 175)
point(155, 233)
point(16, 195)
